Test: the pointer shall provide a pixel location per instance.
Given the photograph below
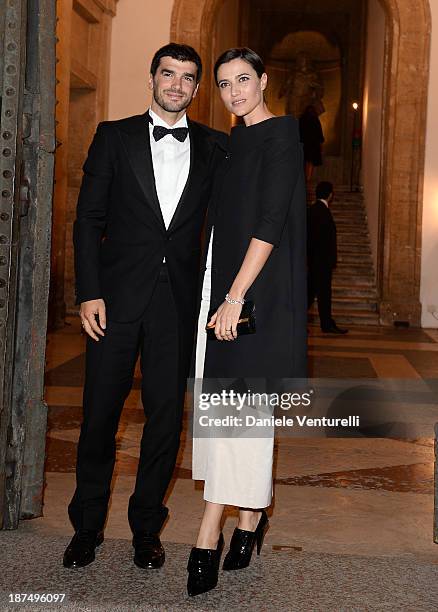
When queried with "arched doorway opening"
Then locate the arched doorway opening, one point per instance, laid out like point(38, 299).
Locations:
point(405, 84)
point(327, 60)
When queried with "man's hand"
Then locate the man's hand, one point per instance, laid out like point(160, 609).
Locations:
point(88, 312)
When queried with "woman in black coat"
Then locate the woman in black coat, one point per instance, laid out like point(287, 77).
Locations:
point(257, 252)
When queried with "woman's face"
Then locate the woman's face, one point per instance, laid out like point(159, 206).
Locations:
point(240, 87)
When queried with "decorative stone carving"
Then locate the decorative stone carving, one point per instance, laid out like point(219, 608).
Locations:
point(303, 88)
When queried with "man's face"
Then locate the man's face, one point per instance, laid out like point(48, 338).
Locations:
point(174, 84)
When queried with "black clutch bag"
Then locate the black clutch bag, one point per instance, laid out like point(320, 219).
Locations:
point(246, 324)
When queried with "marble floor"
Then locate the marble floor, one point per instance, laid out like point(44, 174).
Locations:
point(346, 496)
point(358, 495)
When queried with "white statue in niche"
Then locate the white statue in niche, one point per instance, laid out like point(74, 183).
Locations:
point(303, 88)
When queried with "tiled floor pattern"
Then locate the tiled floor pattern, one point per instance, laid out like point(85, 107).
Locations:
point(345, 495)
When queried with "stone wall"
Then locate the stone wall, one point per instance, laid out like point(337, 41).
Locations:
point(139, 29)
point(429, 239)
point(372, 121)
point(83, 53)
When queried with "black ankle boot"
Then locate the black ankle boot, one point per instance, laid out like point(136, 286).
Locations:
point(242, 544)
point(203, 568)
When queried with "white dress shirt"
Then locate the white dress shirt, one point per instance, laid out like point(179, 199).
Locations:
point(325, 202)
point(171, 163)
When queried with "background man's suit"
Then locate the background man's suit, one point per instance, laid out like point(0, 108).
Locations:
point(120, 241)
point(321, 260)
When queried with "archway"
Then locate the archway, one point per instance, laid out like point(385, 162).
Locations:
point(406, 71)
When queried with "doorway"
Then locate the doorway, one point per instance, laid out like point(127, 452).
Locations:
point(406, 53)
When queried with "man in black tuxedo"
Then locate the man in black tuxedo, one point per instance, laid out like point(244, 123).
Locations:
point(137, 239)
point(322, 256)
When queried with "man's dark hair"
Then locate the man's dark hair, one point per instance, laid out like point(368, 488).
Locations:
point(244, 53)
point(182, 53)
point(324, 190)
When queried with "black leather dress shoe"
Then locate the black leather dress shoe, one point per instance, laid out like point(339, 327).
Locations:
point(334, 329)
point(203, 568)
point(81, 550)
point(149, 552)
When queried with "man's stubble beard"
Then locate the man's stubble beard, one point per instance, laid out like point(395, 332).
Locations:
point(171, 107)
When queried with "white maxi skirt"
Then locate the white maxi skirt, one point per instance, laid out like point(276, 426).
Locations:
point(236, 471)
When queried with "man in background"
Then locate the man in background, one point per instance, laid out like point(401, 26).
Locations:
point(322, 256)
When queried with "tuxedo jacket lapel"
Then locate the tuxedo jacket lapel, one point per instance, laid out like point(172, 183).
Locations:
point(199, 160)
point(135, 138)
point(137, 144)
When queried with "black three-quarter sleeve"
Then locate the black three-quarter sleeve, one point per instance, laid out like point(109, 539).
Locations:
point(284, 164)
point(91, 215)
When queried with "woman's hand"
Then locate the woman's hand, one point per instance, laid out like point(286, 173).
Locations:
point(225, 321)
point(227, 316)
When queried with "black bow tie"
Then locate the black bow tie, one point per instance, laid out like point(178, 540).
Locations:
point(160, 132)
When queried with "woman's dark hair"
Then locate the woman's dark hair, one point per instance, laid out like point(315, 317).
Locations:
point(182, 53)
point(244, 53)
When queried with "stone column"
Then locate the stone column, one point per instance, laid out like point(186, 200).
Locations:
point(83, 51)
point(404, 132)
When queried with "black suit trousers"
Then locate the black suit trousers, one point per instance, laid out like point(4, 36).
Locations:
point(110, 365)
point(319, 285)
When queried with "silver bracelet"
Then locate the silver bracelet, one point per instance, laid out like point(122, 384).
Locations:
point(231, 301)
